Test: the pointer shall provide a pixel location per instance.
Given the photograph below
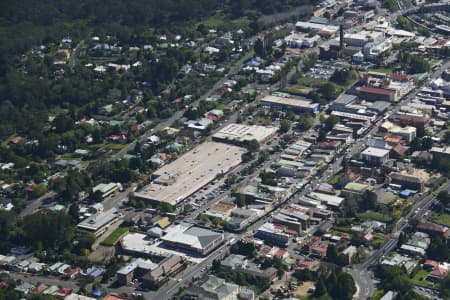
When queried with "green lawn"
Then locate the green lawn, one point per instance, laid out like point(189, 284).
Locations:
point(69, 156)
point(310, 82)
point(333, 180)
point(420, 279)
point(443, 219)
point(112, 147)
point(382, 70)
point(341, 228)
point(114, 237)
point(374, 216)
point(298, 90)
point(219, 22)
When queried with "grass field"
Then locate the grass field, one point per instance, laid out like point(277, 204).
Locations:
point(443, 219)
point(113, 147)
point(382, 70)
point(375, 216)
point(333, 180)
point(310, 82)
point(114, 237)
point(420, 279)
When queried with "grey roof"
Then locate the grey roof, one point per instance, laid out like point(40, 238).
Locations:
point(319, 20)
point(234, 261)
point(378, 143)
point(380, 106)
point(213, 288)
point(345, 99)
point(205, 236)
point(99, 220)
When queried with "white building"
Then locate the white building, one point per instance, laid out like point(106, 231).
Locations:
point(375, 156)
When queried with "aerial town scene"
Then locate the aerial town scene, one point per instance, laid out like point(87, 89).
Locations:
point(224, 150)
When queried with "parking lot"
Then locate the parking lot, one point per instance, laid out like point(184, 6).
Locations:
point(322, 71)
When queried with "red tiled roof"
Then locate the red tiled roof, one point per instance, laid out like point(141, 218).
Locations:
point(439, 272)
point(397, 76)
point(373, 90)
point(345, 235)
point(265, 250)
point(39, 289)
point(63, 292)
point(280, 253)
point(400, 149)
point(431, 263)
point(306, 264)
point(211, 117)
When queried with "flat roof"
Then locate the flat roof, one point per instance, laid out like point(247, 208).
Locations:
point(374, 90)
point(378, 152)
point(105, 187)
point(97, 221)
point(136, 242)
point(356, 186)
point(189, 173)
point(245, 133)
point(316, 26)
point(289, 101)
point(330, 200)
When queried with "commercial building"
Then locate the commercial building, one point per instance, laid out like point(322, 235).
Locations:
point(330, 201)
point(306, 26)
point(363, 37)
point(358, 117)
point(221, 209)
point(355, 188)
point(99, 223)
point(296, 40)
point(134, 269)
point(419, 122)
point(241, 134)
point(234, 262)
point(293, 220)
point(198, 240)
point(375, 156)
point(408, 133)
point(241, 264)
point(168, 266)
point(178, 180)
point(273, 234)
point(441, 151)
point(216, 288)
point(285, 103)
point(106, 188)
point(377, 94)
point(407, 181)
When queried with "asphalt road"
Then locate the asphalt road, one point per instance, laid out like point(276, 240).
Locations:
point(33, 205)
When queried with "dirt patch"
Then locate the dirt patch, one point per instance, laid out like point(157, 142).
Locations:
point(302, 289)
point(385, 197)
point(102, 254)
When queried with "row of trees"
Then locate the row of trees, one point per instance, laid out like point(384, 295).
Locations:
point(335, 285)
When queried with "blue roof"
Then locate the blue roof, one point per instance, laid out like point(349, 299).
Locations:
point(97, 293)
point(405, 193)
point(97, 272)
